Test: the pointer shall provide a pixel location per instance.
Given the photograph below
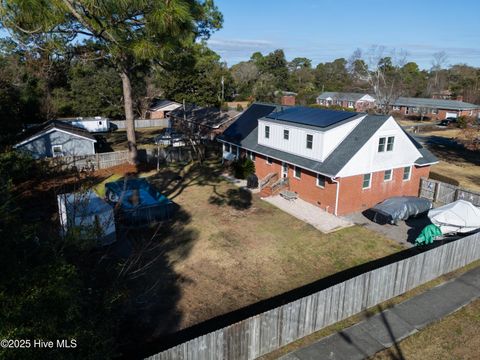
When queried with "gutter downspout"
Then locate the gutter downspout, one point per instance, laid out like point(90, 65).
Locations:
point(336, 196)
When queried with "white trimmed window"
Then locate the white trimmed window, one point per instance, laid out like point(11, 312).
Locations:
point(396, 108)
point(309, 141)
point(407, 173)
point(251, 155)
point(381, 144)
point(286, 134)
point(367, 180)
point(350, 104)
point(297, 172)
point(388, 175)
point(269, 161)
point(390, 141)
point(226, 147)
point(267, 132)
point(320, 181)
point(57, 150)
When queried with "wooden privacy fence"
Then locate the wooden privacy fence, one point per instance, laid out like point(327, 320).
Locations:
point(443, 193)
point(268, 331)
point(142, 123)
point(90, 162)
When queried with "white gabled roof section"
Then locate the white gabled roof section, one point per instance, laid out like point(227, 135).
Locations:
point(368, 159)
point(334, 137)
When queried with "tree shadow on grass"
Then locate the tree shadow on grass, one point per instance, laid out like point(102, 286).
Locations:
point(151, 286)
point(239, 199)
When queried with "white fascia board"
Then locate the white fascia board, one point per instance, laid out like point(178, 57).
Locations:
point(48, 132)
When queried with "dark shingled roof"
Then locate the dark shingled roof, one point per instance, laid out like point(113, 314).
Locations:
point(243, 132)
point(435, 103)
point(46, 126)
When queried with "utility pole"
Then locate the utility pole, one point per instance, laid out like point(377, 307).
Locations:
point(223, 92)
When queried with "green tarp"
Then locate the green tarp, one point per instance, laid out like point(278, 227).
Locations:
point(428, 234)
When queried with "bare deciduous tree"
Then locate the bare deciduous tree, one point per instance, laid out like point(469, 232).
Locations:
point(379, 67)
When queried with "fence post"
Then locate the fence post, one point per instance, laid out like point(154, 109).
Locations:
point(436, 191)
point(97, 159)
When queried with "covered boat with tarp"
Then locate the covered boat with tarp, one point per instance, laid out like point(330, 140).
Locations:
point(399, 208)
point(457, 217)
point(138, 202)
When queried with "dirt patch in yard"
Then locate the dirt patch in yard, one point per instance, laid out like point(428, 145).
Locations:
point(242, 249)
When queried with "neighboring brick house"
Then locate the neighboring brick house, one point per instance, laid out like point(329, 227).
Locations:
point(357, 101)
point(436, 109)
point(340, 161)
point(160, 109)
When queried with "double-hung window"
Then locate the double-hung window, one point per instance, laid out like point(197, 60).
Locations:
point(286, 134)
point(381, 144)
point(407, 173)
point(309, 141)
point(390, 141)
point(297, 172)
point(320, 181)
point(387, 176)
point(367, 179)
point(269, 161)
point(267, 132)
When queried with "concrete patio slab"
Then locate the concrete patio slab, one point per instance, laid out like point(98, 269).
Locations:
point(310, 214)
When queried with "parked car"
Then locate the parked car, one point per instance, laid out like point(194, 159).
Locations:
point(399, 208)
point(169, 137)
point(448, 121)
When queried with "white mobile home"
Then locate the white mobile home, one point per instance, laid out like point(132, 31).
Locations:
point(92, 124)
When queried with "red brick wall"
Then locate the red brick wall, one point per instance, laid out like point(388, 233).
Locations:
point(353, 198)
point(288, 100)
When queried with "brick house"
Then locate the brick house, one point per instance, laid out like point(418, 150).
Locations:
point(340, 161)
point(160, 109)
point(436, 109)
point(357, 101)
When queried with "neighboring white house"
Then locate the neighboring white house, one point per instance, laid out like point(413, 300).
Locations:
point(91, 124)
point(357, 101)
point(56, 138)
point(90, 216)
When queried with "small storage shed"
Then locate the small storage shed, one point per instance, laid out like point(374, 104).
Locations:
point(91, 124)
point(88, 216)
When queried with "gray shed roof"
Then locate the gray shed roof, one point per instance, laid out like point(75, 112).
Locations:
point(244, 133)
point(435, 103)
point(345, 96)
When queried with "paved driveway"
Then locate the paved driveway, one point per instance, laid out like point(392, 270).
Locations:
point(404, 233)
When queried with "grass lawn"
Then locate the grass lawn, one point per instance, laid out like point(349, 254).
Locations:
point(229, 249)
point(117, 140)
point(454, 337)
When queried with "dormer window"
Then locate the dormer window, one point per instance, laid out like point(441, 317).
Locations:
point(267, 132)
point(309, 141)
point(286, 134)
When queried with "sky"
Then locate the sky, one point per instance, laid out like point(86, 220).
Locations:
point(323, 30)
